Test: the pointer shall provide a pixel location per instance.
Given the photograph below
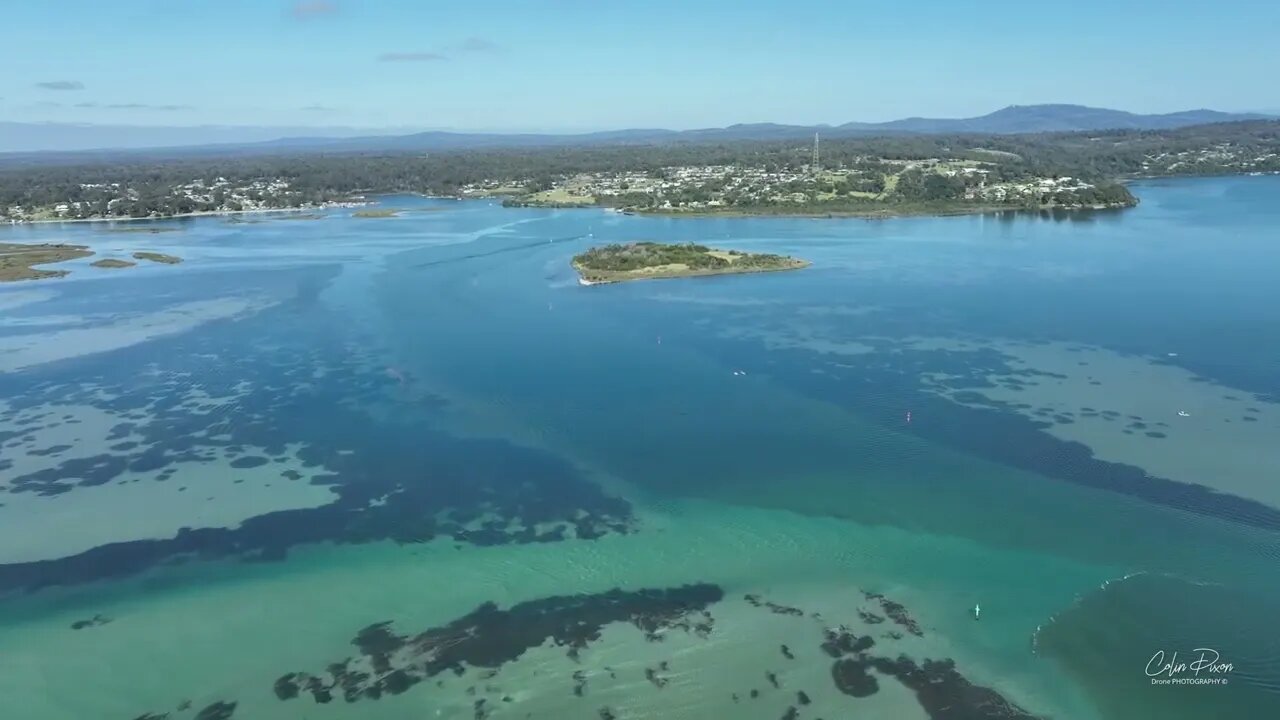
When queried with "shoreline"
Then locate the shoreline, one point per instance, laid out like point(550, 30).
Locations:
point(196, 214)
point(870, 214)
point(877, 213)
point(583, 281)
point(880, 213)
point(886, 213)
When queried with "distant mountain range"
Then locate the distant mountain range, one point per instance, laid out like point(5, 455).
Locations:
point(38, 137)
point(1057, 118)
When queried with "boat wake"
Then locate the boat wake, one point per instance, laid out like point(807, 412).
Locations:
point(501, 250)
point(1035, 637)
point(1139, 633)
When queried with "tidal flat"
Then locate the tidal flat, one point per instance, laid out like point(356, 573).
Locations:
point(18, 261)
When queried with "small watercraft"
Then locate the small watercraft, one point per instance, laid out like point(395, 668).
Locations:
point(1183, 413)
point(977, 612)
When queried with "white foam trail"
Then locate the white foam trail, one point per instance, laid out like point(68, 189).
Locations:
point(1035, 637)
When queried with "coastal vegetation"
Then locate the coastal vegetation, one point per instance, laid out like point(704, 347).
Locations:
point(650, 260)
point(112, 263)
point(855, 175)
point(17, 261)
point(157, 257)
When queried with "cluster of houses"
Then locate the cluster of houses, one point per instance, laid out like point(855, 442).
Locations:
point(216, 195)
point(1222, 155)
point(711, 186)
point(681, 186)
point(1001, 192)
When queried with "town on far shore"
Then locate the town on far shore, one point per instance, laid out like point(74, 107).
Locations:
point(846, 176)
point(197, 196)
point(870, 186)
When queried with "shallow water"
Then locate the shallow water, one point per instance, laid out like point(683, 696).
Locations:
point(237, 463)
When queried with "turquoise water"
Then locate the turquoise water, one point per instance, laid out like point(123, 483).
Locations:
point(313, 425)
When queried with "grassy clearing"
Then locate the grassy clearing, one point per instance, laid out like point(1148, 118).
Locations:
point(997, 154)
point(561, 196)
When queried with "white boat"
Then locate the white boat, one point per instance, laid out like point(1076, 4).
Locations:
point(977, 612)
point(1183, 413)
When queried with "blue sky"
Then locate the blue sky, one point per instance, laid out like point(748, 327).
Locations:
point(578, 64)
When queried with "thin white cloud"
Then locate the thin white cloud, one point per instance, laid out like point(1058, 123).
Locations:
point(412, 57)
point(60, 85)
point(125, 106)
point(146, 106)
point(312, 9)
point(478, 45)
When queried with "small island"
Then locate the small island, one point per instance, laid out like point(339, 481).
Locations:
point(112, 263)
point(651, 260)
point(157, 257)
point(16, 260)
point(376, 213)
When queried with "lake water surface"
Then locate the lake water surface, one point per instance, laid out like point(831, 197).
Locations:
point(217, 479)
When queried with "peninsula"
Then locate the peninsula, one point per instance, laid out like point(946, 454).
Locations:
point(17, 261)
point(866, 187)
point(650, 260)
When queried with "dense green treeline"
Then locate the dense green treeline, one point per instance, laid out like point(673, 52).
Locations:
point(631, 261)
point(634, 256)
